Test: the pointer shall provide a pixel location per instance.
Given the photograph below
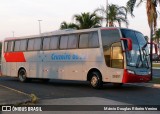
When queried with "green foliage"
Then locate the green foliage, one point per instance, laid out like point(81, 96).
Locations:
point(151, 8)
point(114, 14)
point(65, 25)
point(82, 21)
point(87, 20)
point(157, 36)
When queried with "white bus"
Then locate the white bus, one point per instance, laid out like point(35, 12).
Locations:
point(98, 55)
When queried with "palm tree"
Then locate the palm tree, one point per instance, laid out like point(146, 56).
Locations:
point(87, 20)
point(113, 14)
point(151, 6)
point(65, 25)
point(157, 36)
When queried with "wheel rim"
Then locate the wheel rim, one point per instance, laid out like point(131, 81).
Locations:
point(94, 81)
point(22, 75)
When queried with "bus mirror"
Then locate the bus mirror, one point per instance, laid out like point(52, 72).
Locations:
point(129, 43)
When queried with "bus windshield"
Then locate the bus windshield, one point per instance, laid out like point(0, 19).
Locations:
point(139, 56)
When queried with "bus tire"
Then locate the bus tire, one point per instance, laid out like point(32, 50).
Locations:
point(96, 80)
point(22, 75)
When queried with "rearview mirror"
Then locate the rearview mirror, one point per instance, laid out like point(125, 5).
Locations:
point(129, 43)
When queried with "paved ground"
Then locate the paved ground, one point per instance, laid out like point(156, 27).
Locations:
point(9, 96)
point(156, 72)
point(129, 94)
point(59, 92)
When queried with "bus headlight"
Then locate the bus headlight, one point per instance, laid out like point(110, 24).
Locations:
point(149, 72)
point(130, 71)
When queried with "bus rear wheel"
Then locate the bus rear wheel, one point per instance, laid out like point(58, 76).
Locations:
point(96, 80)
point(22, 75)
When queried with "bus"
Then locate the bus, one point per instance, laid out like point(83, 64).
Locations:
point(98, 55)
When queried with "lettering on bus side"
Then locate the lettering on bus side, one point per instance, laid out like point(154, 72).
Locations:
point(67, 57)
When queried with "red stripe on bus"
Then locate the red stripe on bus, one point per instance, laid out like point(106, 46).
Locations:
point(14, 57)
point(133, 78)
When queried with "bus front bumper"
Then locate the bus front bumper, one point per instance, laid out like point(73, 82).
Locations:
point(134, 78)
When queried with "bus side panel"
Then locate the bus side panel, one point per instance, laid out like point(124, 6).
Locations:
point(13, 69)
point(73, 67)
point(4, 68)
point(50, 70)
point(34, 67)
point(8, 67)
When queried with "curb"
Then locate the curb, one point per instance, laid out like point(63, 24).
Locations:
point(17, 101)
point(151, 85)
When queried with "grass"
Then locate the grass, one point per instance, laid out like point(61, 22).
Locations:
point(156, 65)
point(155, 81)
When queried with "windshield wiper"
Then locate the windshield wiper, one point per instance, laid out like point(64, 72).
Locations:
point(143, 48)
point(138, 61)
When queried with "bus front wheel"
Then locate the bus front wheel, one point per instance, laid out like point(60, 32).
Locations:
point(96, 80)
point(22, 75)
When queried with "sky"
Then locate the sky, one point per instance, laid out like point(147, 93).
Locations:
point(21, 16)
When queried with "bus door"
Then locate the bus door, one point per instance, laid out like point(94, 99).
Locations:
point(113, 54)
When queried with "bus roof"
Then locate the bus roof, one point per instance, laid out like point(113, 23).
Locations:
point(62, 32)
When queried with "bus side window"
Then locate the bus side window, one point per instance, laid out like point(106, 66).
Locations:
point(93, 40)
point(46, 42)
point(83, 42)
point(37, 44)
point(10, 46)
point(30, 45)
point(63, 42)
point(17, 45)
point(54, 42)
point(23, 45)
point(72, 41)
point(5, 46)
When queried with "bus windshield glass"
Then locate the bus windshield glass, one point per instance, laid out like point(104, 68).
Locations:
point(139, 55)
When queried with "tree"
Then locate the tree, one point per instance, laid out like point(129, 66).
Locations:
point(151, 6)
point(65, 25)
point(113, 14)
point(157, 36)
point(87, 20)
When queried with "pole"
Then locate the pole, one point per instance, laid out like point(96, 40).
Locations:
point(13, 33)
point(39, 26)
point(151, 48)
point(106, 13)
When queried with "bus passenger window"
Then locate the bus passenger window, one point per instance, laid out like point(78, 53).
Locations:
point(83, 42)
point(72, 41)
point(93, 40)
point(46, 42)
point(30, 44)
point(5, 46)
point(10, 46)
point(63, 42)
point(54, 42)
point(23, 45)
point(37, 44)
point(17, 45)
